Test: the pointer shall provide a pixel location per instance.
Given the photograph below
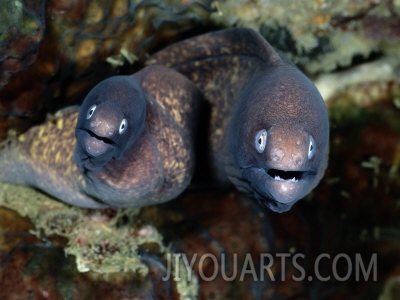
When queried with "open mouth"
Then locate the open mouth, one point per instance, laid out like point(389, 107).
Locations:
point(292, 176)
point(276, 188)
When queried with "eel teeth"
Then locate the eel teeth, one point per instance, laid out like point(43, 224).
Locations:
point(282, 179)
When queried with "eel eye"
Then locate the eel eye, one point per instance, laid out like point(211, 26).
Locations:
point(260, 141)
point(311, 148)
point(90, 112)
point(123, 126)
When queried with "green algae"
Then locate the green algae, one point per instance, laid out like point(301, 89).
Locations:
point(391, 290)
point(17, 20)
point(106, 243)
point(94, 241)
point(11, 15)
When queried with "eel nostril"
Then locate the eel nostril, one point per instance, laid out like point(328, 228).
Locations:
point(277, 155)
point(297, 159)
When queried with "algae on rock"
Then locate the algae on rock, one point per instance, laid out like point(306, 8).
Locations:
point(102, 241)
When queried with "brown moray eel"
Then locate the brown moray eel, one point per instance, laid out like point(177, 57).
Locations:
point(134, 146)
point(269, 130)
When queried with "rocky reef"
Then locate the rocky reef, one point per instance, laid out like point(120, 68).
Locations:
point(57, 50)
point(351, 215)
point(322, 35)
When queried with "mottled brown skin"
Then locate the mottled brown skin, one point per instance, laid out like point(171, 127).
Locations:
point(251, 89)
point(155, 168)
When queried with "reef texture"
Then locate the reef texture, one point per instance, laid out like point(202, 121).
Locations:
point(320, 35)
point(107, 246)
point(21, 31)
point(354, 211)
point(84, 42)
point(78, 43)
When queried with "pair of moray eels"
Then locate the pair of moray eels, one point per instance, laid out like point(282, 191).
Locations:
point(131, 143)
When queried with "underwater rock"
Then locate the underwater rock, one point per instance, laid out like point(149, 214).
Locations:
point(116, 249)
point(122, 250)
point(231, 244)
point(319, 35)
point(354, 211)
point(83, 46)
point(46, 273)
point(381, 70)
point(391, 289)
point(87, 41)
point(22, 27)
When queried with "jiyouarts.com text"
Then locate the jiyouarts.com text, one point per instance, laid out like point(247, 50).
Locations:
point(262, 267)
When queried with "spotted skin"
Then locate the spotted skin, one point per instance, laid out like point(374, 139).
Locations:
point(251, 88)
point(154, 166)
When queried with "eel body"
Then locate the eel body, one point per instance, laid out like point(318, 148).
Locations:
point(132, 147)
point(269, 129)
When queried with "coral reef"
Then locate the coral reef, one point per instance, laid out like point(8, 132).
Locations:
point(109, 245)
point(21, 31)
point(352, 213)
point(84, 42)
point(319, 35)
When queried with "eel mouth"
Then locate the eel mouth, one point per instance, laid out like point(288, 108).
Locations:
point(100, 138)
point(278, 189)
point(281, 175)
point(93, 145)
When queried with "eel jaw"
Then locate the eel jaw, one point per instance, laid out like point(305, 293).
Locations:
point(95, 145)
point(279, 189)
point(281, 175)
point(92, 151)
point(288, 186)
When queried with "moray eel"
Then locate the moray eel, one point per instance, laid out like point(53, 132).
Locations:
point(133, 145)
point(269, 129)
